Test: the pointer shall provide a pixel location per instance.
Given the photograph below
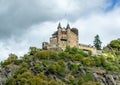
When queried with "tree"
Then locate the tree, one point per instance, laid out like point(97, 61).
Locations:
point(33, 50)
point(10, 59)
point(113, 47)
point(97, 42)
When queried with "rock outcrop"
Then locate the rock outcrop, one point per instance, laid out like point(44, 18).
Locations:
point(99, 75)
point(7, 72)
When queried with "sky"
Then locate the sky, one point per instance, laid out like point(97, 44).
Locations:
point(25, 23)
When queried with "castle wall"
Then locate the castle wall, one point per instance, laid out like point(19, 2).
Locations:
point(53, 42)
point(73, 40)
point(93, 50)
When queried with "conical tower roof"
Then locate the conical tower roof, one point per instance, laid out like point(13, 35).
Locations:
point(68, 26)
point(59, 25)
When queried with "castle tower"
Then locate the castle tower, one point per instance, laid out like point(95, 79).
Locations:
point(59, 34)
point(68, 34)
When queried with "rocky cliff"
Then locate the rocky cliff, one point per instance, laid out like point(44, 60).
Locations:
point(72, 67)
point(99, 75)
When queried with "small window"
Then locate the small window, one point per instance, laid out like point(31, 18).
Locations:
point(63, 39)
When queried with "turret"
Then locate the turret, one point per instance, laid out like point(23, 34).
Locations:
point(59, 34)
point(68, 26)
point(59, 25)
point(59, 28)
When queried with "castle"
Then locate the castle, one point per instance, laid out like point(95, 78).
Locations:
point(66, 37)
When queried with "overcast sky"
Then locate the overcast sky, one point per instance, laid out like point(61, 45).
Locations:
point(25, 23)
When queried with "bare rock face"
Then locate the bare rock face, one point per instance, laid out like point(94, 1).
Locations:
point(6, 73)
point(99, 75)
point(104, 78)
point(3, 78)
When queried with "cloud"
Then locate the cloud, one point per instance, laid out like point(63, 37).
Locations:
point(17, 16)
point(106, 25)
point(34, 36)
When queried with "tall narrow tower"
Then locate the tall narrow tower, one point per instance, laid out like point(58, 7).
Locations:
point(59, 34)
point(68, 34)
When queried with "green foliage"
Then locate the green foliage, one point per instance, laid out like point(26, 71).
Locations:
point(10, 59)
point(10, 81)
point(98, 61)
point(39, 79)
point(32, 50)
point(91, 83)
point(63, 55)
point(42, 55)
point(113, 47)
point(45, 63)
point(38, 68)
point(81, 80)
point(59, 68)
point(67, 49)
point(54, 55)
point(24, 64)
point(28, 58)
point(77, 57)
point(110, 66)
point(20, 71)
point(52, 69)
point(97, 42)
point(87, 61)
point(73, 67)
point(25, 75)
point(115, 44)
point(1, 64)
point(89, 77)
point(52, 82)
point(89, 53)
point(17, 62)
point(74, 50)
point(72, 80)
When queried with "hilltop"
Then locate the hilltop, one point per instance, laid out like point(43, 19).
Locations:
point(71, 67)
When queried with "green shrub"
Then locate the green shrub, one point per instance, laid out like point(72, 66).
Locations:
point(89, 77)
point(17, 62)
point(32, 50)
point(73, 67)
point(38, 68)
point(24, 64)
point(67, 49)
point(63, 55)
point(73, 50)
point(77, 57)
point(54, 55)
point(42, 55)
point(10, 81)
